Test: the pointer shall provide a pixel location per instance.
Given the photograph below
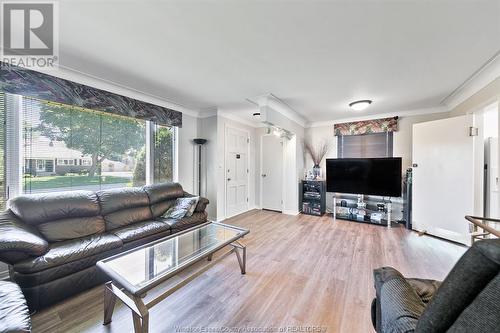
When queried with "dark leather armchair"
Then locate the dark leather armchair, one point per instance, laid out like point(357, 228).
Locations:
point(14, 314)
point(468, 300)
point(52, 241)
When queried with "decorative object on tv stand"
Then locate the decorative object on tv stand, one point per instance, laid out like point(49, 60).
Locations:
point(317, 154)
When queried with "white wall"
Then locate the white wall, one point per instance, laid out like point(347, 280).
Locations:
point(186, 154)
point(208, 130)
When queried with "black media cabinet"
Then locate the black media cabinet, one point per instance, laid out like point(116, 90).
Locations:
point(313, 197)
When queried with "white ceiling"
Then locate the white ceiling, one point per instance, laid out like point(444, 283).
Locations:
point(317, 56)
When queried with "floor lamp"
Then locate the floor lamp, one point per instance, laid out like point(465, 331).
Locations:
point(199, 143)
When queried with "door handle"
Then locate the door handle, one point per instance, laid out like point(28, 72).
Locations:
point(263, 175)
point(228, 179)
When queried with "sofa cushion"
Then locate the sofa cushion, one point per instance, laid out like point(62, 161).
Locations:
point(126, 217)
point(177, 225)
point(122, 198)
point(158, 209)
point(163, 192)
point(202, 202)
point(184, 207)
point(26, 280)
point(475, 269)
point(400, 305)
point(424, 288)
point(124, 206)
point(483, 314)
point(140, 230)
point(72, 228)
point(19, 240)
point(14, 313)
point(44, 207)
point(68, 251)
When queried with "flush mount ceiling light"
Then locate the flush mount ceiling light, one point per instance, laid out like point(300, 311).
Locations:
point(360, 105)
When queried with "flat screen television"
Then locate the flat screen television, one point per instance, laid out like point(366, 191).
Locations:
point(371, 176)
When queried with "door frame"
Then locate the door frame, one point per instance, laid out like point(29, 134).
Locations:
point(283, 151)
point(226, 127)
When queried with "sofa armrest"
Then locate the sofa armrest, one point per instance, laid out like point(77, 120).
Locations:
point(202, 202)
point(18, 240)
point(398, 306)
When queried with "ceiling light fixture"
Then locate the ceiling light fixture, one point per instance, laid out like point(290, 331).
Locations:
point(360, 105)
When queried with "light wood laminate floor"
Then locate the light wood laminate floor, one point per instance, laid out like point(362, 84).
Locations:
point(301, 271)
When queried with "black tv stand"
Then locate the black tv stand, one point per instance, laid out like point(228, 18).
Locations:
point(363, 212)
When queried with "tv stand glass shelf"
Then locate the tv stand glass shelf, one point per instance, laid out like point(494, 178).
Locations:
point(372, 212)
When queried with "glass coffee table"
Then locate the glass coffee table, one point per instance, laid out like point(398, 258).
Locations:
point(137, 271)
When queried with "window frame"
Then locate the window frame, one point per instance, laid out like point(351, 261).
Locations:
point(389, 145)
point(15, 157)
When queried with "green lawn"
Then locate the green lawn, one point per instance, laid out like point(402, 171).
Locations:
point(46, 182)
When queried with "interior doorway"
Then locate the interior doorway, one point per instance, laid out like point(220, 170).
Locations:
point(271, 175)
point(236, 161)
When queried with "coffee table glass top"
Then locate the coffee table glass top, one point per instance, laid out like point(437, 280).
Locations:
point(137, 268)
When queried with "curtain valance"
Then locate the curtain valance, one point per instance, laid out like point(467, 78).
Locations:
point(367, 126)
point(22, 81)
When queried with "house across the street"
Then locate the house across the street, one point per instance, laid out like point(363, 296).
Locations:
point(51, 157)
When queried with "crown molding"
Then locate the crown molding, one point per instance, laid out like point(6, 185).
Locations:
point(483, 76)
point(407, 113)
point(68, 73)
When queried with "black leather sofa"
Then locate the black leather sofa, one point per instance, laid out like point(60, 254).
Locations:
point(52, 241)
point(468, 300)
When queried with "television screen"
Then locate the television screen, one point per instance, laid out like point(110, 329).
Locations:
point(373, 176)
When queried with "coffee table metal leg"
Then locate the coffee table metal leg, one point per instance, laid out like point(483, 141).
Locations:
point(109, 303)
point(141, 325)
point(242, 258)
point(141, 319)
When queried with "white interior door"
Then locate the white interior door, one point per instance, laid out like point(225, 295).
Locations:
point(272, 173)
point(443, 177)
point(236, 171)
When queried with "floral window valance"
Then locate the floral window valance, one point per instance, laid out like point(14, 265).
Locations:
point(367, 126)
point(41, 86)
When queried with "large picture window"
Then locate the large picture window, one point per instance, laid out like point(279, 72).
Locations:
point(163, 155)
point(63, 148)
